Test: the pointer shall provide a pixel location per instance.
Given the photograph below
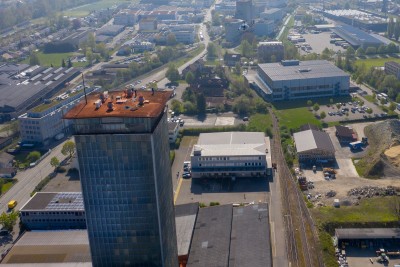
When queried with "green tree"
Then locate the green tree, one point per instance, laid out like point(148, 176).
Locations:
point(54, 162)
point(177, 106)
point(392, 106)
point(316, 107)
point(370, 50)
point(171, 39)
point(238, 68)
point(382, 49)
point(360, 52)
point(369, 111)
point(34, 59)
point(326, 54)
point(392, 48)
point(242, 105)
point(33, 156)
point(89, 57)
point(322, 115)
point(211, 50)
point(63, 63)
point(91, 41)
point(390, 27)
point(9, 220)
point(309, 103)
point(396, 32)
point(68, 148)
point(398, 98)
point(350, 52)
point(172, 73)
point(201, 103)
point(339, 61)
point(69, 63)
point(331, 101)
point(189, 78)
point(246, 49)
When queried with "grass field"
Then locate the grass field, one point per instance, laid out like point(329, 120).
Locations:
point(378, 209)
point(293, 118)
point(55, 59)
point(259, 123)
point(6, 186)
point(376, 62)
point(85, 10)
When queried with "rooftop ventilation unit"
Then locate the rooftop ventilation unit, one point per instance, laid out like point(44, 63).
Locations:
point(304, 70)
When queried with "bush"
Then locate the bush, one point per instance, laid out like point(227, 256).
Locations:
point(202, 205)
point(172, 156)
point(61, 169)
point(214, 204)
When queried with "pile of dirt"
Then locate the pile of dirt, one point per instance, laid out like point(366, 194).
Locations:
point(384, 151)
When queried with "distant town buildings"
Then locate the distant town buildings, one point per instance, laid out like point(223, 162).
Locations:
point(293, 79)
point(392, 68)
point(244, 10)
point(23, 87)
point(274, 14)
point(173, 131)
point(125, 17)
point(149, 24)
point(184, 33)
point(230, 154)
point(268, 52)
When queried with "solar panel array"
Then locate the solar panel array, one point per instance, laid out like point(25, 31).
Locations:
point(66, 201)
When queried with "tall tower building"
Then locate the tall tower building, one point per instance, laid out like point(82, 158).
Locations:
point(123, 153)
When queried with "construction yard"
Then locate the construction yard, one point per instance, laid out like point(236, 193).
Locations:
point(348, 186)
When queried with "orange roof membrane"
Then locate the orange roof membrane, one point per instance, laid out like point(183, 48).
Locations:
point(121, 104)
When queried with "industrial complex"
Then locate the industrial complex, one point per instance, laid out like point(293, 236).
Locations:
point(293, 79)
point(23, 86)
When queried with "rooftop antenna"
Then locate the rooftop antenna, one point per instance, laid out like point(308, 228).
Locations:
point(84, 89)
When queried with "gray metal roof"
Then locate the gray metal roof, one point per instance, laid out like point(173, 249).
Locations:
point(211, 239)
point(250, 237)
point(185, 219)
point(305, 70)
point(312, 139)
point(48, 201)
point(231, 144)
point(367, 233)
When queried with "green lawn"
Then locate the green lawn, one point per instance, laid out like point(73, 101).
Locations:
point(376, 62)
point(84, 10)
point(378, 209)
point(293, 118)
point(56, 59)
point(259, 123)
point(6, 186)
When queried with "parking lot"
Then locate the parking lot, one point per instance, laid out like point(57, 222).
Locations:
point(350, 111)
point(357, 257)
point(211, 120)
point(320, 41)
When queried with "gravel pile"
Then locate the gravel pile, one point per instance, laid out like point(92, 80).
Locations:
point(372, 191)
point(330, 193)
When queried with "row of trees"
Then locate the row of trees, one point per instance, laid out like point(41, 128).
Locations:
point(393, 29)
point(20, 11)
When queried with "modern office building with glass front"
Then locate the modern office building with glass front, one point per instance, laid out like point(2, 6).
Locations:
point(123, 153)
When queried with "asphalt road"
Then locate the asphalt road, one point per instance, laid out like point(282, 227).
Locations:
point(28, 179)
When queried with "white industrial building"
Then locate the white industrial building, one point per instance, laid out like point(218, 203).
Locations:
point(293, 79)
point(44, 122)
point(184, 33)
point(314, 146)
point(230, 155)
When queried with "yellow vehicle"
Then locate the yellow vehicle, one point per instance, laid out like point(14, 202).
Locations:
point(12, 204)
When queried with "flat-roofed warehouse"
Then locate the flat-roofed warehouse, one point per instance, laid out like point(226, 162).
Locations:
point(370, 237)
point(51, 211)
point(356, 37)
point(230, 154)
point(294, 79)
point(314, 146)
point(23, 87)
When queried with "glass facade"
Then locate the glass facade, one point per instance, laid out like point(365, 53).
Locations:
point(127, 190)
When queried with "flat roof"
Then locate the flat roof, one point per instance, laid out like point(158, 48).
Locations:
point(231, 144)
point(250, 237)
point(304, 70)
point(211, 239)
point(312, 139)
point(355, 34)
point(367, 233)
point(128, 107)
point(49, 201)
point(185, 219)
point(50, 247)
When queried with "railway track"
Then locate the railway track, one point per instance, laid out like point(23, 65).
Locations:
point(301, 235)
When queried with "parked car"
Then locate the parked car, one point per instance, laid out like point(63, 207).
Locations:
point(187, 175)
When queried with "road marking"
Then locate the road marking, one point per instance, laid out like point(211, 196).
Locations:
point(274, 239)
point(177, 190)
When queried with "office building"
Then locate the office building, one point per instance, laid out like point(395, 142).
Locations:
point(293, 79)
point(185, 33)
point(263, 27)
point(44, 122)
point(274, 14)
point(123, 154)
point(54, 211)
point(392, 68)
point(268, 52)
point(22, 86)
point(230, 154)
point(125, 17)
point(360, 19)
point(314, 146)
point(148, 24)
point(159, 15)
point(244, 10)
point(356, 37)
point(232, 33)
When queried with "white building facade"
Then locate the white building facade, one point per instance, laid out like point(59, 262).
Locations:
point(229, 155)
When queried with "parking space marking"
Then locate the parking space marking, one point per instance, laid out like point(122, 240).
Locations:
point(178, 188)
